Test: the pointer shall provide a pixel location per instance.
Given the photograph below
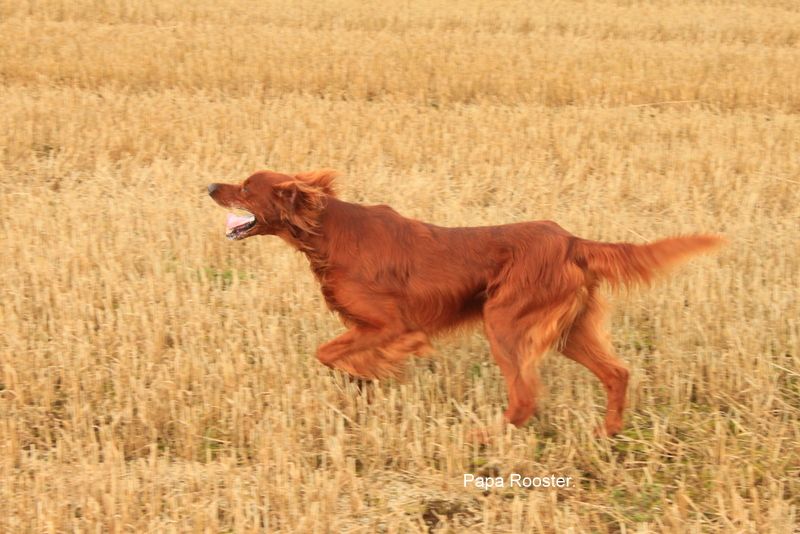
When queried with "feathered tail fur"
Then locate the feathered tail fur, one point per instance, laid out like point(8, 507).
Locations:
point(627, 263)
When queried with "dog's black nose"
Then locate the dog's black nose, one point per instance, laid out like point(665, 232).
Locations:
point(212, 188)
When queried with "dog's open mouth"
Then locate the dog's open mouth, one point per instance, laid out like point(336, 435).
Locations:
point(237, 226)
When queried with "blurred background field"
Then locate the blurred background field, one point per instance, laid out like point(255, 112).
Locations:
point(155, 377)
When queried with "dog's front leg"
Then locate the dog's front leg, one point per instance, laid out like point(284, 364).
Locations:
point(372, 353)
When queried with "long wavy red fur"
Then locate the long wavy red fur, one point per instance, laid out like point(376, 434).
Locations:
point(396, 282)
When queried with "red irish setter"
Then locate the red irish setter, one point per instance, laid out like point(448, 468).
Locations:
point(396, 282)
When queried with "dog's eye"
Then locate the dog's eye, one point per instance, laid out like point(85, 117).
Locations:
point(244, 189)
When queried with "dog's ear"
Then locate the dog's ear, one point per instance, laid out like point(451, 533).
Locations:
point(322, 179)
point(300, 202)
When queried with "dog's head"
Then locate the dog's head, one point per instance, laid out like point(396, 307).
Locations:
point(274, 202)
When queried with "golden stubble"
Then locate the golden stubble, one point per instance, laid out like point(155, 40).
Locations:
point(156, 377)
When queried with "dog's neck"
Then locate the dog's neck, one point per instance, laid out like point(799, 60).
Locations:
point(315, 249)
point(299, 239)
point(311, 244)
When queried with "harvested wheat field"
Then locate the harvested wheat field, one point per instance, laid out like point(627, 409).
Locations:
point(156, 377)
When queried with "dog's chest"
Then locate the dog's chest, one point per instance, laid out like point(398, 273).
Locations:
point(327, 282)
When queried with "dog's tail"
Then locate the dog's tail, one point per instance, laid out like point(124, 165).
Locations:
point(627, 263)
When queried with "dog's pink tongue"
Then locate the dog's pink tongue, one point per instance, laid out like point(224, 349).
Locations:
point(237, 220)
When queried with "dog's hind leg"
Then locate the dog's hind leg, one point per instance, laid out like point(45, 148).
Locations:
point(586, 344)
point(518, 343)
point(520, 332)
point(522, 383)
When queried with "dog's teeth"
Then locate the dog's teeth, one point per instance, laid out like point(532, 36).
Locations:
point(238, 220)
